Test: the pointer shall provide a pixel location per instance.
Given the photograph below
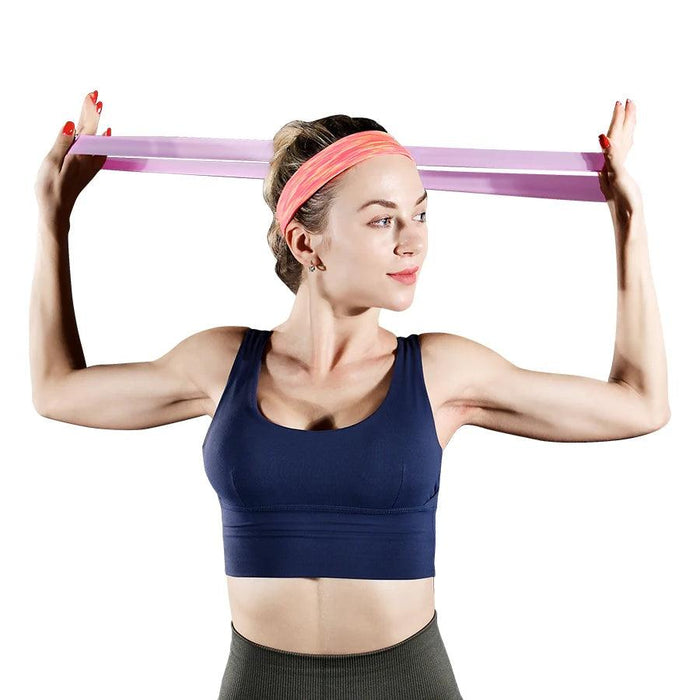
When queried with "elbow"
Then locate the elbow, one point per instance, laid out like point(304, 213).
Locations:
point(40, 405)
point(660, 418)
point(39, 408)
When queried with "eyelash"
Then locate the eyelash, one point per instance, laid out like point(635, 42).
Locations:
point(384, 218)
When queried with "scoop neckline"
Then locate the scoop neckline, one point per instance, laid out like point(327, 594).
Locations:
point(253, 394)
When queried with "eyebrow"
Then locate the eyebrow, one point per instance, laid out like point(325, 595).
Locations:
point(389, 203)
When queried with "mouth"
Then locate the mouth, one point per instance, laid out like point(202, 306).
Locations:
point(407, 272)
point(407, 276)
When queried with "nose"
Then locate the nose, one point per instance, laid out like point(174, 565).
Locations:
point(413, 239)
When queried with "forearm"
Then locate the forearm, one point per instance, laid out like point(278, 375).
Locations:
point(640, 357)
point(54, 343)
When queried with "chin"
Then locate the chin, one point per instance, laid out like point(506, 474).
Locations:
point(399, 306)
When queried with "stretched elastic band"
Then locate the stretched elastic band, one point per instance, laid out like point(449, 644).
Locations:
point(250, 158)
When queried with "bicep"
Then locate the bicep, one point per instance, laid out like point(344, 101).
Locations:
point(493, 393)
point(557, 407)
point(132, 395)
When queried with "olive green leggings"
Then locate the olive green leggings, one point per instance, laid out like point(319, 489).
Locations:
point(416, 668)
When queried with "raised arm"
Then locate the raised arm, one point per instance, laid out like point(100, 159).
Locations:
point(124, 396)
point(132, 395)
point(491, 392)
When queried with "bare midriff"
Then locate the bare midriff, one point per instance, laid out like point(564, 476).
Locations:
point(329, 615)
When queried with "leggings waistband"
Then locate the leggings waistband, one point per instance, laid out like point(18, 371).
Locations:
point(415, 668)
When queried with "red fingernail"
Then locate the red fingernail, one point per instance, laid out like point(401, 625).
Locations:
point(604, 141)
point(98, 107)
point(93, 96)
point(109, 131)
point(69, 128)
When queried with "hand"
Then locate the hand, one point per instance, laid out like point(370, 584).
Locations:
point(621, 191)
point(62, 175)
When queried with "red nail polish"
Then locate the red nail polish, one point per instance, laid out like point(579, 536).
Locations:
point(69, 128)
point(98, 107)
point(93, 96)
point(109, 131)
point(604, 141)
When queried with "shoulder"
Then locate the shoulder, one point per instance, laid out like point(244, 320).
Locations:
point(207, 345)
point(205, 359)
point(456, 367)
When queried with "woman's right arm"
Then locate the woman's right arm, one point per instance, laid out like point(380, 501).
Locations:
point(120, 396)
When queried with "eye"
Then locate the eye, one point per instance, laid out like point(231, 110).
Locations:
point(388, 218)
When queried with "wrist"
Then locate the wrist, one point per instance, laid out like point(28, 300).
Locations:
point(53, 225)
point(623, 213)
point(632, 226)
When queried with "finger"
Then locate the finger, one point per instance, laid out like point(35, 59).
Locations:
point(630, 115)
point(617, 120)
point(61, 145)
point(89, 114)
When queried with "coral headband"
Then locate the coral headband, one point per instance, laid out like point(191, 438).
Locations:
point(326, 164)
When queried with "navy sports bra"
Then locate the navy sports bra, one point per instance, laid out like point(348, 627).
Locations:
point(354, 502)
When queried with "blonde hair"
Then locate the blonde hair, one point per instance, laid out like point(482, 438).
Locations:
point(293, 144)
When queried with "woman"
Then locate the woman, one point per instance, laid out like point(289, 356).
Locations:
point(327, 431)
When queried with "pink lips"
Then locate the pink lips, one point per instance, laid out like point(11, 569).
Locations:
point(406, 271)
point(407, 276)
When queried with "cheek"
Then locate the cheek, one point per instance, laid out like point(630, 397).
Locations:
point(363, 254)
point(358, 250)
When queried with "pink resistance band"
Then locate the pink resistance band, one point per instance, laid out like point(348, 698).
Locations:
point(250, 158)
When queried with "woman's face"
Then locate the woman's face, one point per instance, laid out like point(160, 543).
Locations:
point(364, 242)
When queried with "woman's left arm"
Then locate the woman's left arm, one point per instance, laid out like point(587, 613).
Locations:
point(491, 392)
point(639, 360)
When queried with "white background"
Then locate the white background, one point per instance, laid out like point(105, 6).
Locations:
point(564, 570)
